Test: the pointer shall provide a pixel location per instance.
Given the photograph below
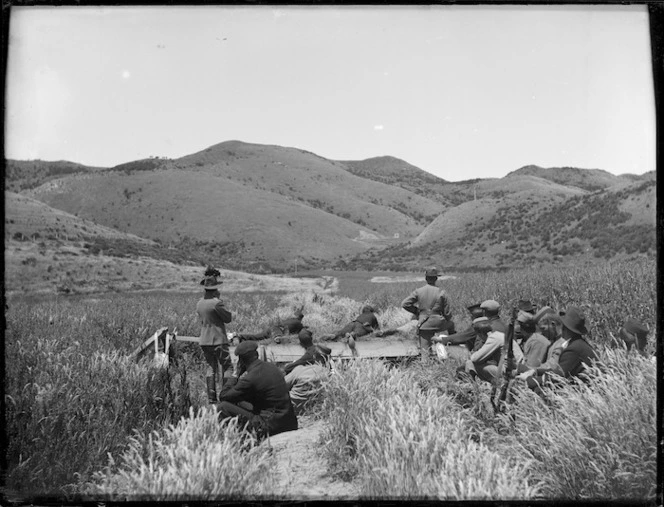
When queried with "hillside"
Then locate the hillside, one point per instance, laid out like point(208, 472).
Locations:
point(48, 250)
point(26, 174)
point(399, 173)
point(586, 179)
point(265, 209)
point(533, 226)
point(275, 204)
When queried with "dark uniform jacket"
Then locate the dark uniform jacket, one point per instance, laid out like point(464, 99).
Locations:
point(263, 386)
point(368, 321)
point(466, 337)
point(311, 355)
point(292, 325)
point(575, 357)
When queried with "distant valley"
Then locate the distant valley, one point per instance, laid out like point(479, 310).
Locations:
point(271, 209)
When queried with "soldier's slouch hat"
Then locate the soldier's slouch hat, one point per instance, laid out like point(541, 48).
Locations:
point(246, 347)
point(574, 320)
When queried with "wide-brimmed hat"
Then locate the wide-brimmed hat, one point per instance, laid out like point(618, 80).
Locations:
point(431, 272)
point(490, 304)
point(211, 283)
point(246, 347)
point(526, 306)
point(575, 320)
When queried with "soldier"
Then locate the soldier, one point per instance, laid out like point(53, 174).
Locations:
point(577, 354)
point(633, 333)
point(525, 305)
point(364, 324)
point(291, 325)
point(260, 396)
point(305, 384)
point(550, 326)
point(312, 353)
point(533, 344)
point(213, 340)
point(459, 345)
point(431, 307)
point(562, 361)
point(491, 309)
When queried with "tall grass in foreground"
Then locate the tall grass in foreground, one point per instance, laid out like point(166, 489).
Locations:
point(197, 459)
point(401, 442)
point(594, 440)
point(73, 395)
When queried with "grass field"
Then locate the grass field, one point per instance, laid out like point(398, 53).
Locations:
point(83, 421)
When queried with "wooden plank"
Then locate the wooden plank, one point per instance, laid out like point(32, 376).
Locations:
point(150, 341)
point(372, 348)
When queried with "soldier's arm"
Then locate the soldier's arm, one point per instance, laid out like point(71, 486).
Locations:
point(446, 310)
point(410, 303)
point(239, 392)
point(490, 345)
point(223, 313)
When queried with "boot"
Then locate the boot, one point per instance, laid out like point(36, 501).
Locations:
point(211, 389)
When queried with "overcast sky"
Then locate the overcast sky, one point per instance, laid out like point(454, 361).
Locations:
point(459, 91)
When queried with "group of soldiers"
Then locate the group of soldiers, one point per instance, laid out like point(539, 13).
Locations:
point(546, 345)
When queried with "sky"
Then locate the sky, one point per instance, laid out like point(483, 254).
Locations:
point(459, 91)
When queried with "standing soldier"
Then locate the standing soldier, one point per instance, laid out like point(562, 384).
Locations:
point(213, 341)
point(431, 307)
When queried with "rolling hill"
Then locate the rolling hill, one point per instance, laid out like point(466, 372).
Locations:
point(276, 203)
point(264, 208)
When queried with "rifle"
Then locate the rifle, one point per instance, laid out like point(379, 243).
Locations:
point(509, 359)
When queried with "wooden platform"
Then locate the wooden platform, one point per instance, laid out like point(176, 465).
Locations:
point(369, 348)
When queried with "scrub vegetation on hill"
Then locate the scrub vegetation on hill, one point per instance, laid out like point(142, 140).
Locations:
point(266, 208)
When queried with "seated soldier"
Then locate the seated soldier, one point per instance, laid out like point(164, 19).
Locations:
point(550, 326)
point(576, 354)
point(313, 354)
point(534, 345)
point(364, 324)
point(459, 345)
point(633, 333)
point(259, 396)
point(525, 305)
point(292, 325)
point(304, 384)
point(492, 312)
point(483, 363)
